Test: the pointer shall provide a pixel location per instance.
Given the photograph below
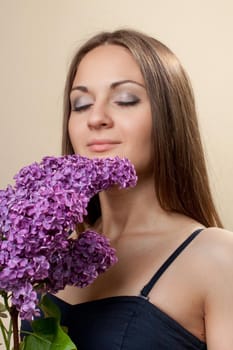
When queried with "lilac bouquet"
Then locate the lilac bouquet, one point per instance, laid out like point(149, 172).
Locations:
point(37, 216)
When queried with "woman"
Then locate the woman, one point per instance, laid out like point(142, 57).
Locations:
point(128, 95)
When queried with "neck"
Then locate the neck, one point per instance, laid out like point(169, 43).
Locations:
point(123, 210)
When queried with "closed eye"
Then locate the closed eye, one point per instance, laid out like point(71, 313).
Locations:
point(127, 103)
point(81, 108)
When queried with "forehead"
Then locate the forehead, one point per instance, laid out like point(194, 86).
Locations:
point(108, 63)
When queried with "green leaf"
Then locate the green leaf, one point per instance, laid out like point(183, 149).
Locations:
point(2, 307)
point(47, 335)
point(2, 311)
point(49, 308)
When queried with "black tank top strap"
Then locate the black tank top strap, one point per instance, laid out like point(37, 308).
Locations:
point(147, 288)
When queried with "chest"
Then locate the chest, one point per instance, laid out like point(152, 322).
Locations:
point(176, 293)
point(138, 262)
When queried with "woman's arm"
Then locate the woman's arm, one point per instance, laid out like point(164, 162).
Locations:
point(219, 292)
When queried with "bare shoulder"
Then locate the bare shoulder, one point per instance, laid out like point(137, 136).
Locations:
point(215, 259)
point(217, 245)
point(219, 234)
point(215, 251)
point(211, 259)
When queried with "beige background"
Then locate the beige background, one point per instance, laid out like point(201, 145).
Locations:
point(38, 38)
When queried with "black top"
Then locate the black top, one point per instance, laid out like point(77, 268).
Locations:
point(127, 322)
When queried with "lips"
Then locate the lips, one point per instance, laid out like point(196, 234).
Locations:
point(102, 145)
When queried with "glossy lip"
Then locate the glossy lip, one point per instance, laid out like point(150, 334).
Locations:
point(101, 145)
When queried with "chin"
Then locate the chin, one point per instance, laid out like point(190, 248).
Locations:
point(107, 154)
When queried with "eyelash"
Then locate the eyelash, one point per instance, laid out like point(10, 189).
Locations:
point(119, 103)
point(81, 108)
point(129, 103)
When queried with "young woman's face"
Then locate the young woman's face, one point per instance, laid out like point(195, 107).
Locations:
point(110, 110)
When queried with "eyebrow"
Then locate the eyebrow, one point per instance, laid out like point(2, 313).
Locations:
point(112, 86)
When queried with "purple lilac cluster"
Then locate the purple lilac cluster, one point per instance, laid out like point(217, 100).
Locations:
point(37, 215)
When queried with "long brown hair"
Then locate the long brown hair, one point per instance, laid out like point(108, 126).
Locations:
point(181, 179)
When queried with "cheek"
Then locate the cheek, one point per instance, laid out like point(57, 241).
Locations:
point(140, 145)
point(142, 131)
point(144, 139)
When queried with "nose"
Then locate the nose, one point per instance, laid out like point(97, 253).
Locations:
point(99, 117)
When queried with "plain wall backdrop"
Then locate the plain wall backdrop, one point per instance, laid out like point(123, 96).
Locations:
point(38, 39)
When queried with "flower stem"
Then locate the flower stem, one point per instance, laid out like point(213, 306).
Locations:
point(14, 317)
point(4, 334)
point(9, 332)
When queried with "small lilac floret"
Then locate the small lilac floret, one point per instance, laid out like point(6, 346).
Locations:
point(37, 215)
